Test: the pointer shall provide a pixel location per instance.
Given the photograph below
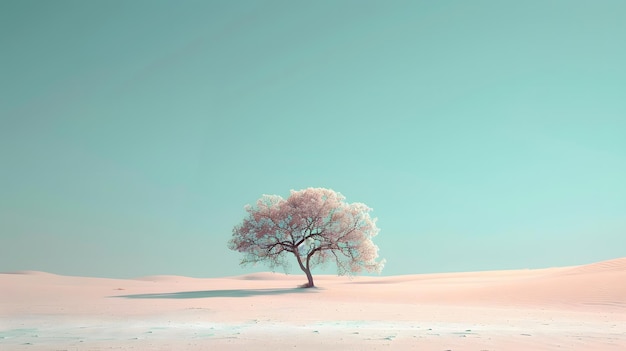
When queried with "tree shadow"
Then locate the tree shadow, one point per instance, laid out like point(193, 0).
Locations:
point(218, 293)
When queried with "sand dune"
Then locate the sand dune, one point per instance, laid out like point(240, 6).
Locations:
point(267, 276)
point(568, 308)
point(616, 265)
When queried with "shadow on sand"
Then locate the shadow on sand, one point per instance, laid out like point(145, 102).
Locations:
point(218, 293)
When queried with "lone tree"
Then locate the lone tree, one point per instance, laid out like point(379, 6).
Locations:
point(314, 225)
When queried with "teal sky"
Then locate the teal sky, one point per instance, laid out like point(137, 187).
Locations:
point(484, 134)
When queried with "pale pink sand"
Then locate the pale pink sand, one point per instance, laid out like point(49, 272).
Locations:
point(572, 308)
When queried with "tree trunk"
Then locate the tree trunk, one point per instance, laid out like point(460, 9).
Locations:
point(309, 277)
point(306, 271)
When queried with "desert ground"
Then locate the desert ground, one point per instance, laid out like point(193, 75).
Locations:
point(564, 308)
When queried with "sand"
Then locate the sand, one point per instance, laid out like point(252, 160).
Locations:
point(568, 308)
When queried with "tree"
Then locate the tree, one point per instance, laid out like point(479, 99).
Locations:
point(315, 226)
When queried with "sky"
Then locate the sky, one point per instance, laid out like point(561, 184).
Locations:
point(484, 134)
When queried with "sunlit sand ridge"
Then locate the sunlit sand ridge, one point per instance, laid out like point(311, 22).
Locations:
point(569, 308)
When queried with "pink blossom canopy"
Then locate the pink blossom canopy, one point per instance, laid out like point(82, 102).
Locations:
point(315, 225)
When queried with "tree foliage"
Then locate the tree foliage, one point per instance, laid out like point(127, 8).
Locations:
point(315, 225)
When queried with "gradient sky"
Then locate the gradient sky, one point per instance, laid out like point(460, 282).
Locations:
point(484, 134)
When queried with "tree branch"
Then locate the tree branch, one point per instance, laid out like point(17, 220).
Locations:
point(285, 245)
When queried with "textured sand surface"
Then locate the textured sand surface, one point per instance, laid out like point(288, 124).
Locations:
point(570, 308)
